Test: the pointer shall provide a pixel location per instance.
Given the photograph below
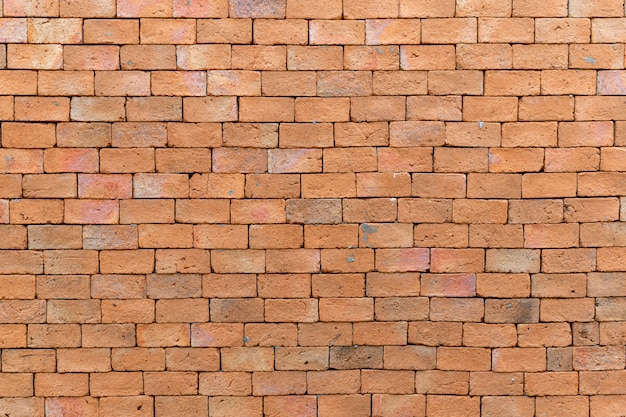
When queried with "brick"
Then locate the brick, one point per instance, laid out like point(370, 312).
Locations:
point(600, 382)
point(128, 83)
point(440, 405)
point(347, 285)
point(201, 8)
point(258, 57)
point(258, 211)
point(104, 186)
point(606, 30)
point(574, 309)
point(489, 335)
point(538, 335)
point(426, 8)
point(247, 359)
point(42, 109)
point(539, 56)
point(559, 285)
point(380, 381)
point(605, 56)
point(224, 31)
point(597, 358)
point(606, 405)
point(427, 57)
point(279, 383)
point(335, 32)
point(165, 31)
point(504, 406)
point(507, 30)
point(512, 83)
point(135, 406)
point(450, 30)
point(456, 309)
point(371, 57)
point(603, 9)
point(575, 406)
point(568, 82)
point(72, 385)
point(335, 309)
point(49, 186)
point(35, 56)
point(53, 335)
point(192, 406)
point(33, 211)
point(496, 383)
point(566, 30)
point(512, 311)
point(314, 57)
point(442, 382)
point(146, 57)
point(357, 405)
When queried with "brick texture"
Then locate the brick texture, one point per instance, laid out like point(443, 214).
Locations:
point(312, 208)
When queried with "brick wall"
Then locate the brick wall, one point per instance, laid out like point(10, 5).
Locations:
point(309, 208)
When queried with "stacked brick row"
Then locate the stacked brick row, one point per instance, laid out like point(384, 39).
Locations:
point(308, 208)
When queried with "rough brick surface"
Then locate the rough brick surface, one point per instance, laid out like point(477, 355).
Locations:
point(313, 208)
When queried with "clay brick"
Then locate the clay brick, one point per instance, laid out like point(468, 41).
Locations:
point(247, 359)
point(456, 309)
point(441, 235)
point(61, 385)
point(231, 310)
point(489, 335)
point(42, 109)
point(605, 56)
point(165, 31)
point(540, 56)
point(574, 309)
point(566, 30)
point(136, 406)
point(190, 405)
point(450, 160)
point(369, 9)
point(600, 382)
point(201, 8)
point(324, 334)
point(435, 333)
point(148, 57)
point(336, 309)
point(496, 383)
point(336, 32)
point(512, 83)
point(358, 405)
point(425, 210)
point(340, 285)
point(603, 9)
point(451, 30)
point(258, 211)
point(442, 382)
point(568, 82)
point(506, 30)
point(365, 58)
point(314, 57)
point(546, 108)
point(575, 406)
point(279, 383)
point(225, 383)
point(504, 406)
point(512, 310)
point(559, 285)
point(53, 335)
point(598, 358)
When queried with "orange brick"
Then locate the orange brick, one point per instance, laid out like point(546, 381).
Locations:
point(28, 135)
point(224, 30)
point(336, 32)
point(178, 83)
point(451, 160)
point(42, 109)
point(512, 83)
point(147, 57)
point(434, 108)
point(166, 31)
point(605, 56)
point(427, 57)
